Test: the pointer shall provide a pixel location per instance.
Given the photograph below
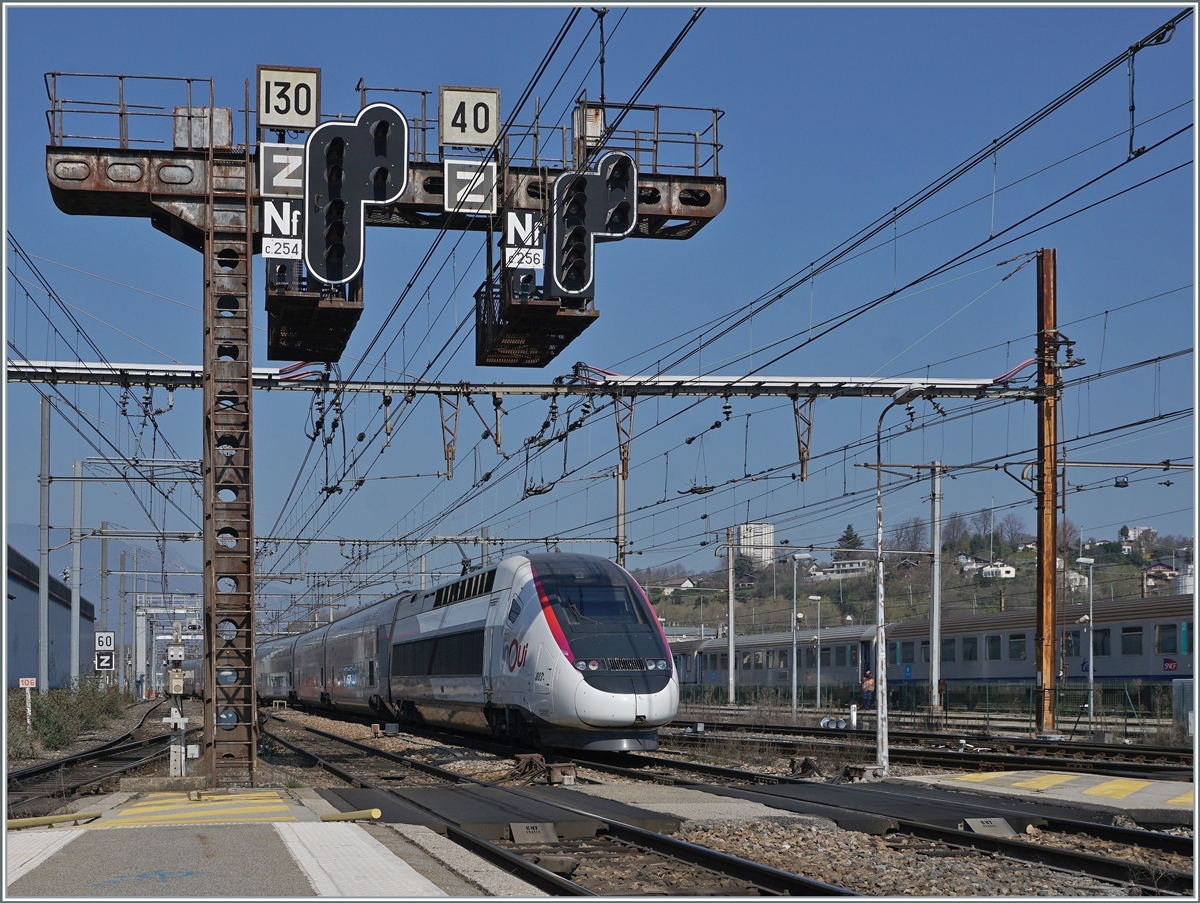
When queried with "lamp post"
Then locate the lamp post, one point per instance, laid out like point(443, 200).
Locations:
point(1091, 650)
point(901, 396)
point(817, 650)
point(796, 559)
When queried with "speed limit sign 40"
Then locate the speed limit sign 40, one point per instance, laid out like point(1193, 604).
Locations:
point(469, 117)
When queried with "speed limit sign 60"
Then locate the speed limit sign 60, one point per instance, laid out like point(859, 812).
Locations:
point(106, 640)
point(469, 117)
point(289, 97)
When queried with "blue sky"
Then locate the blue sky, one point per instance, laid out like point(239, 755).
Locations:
point(832, 117)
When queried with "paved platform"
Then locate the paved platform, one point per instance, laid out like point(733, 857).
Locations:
point(262, 843)
point(1149, 803)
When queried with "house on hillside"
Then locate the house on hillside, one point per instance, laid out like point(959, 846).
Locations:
point(1076, 579)
point(669, 586)
point(1158, 573)
point(905, 567)
point(998, 571)
point(969, 562)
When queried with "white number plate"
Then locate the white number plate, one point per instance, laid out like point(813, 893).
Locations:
point(533, 258)
point(287, 248)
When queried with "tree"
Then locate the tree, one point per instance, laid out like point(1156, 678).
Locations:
point(1123, 533)
point(742, 566)
point(1068, 537)
point(848, 540)
point(954, 532)
point(983, 523)
point(1012, 529)
point(909, 535)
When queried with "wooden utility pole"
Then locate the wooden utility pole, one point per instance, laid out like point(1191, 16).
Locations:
point(1047, 496)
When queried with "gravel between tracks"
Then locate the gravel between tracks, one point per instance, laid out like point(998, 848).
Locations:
point(95, 737)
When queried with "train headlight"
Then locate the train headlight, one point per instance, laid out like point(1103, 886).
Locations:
point(581, 665)
point(650, 665)
point(594, 665)
point(662, 665)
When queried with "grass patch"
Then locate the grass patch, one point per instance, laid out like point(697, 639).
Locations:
point(60, 716)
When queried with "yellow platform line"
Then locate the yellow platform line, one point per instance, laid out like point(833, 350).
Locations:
point(192, 820)
point(1042, 782)
point(1184, 799)
point(197, 807)
point(200, 813)
point(1117, 789)
point(983, 776)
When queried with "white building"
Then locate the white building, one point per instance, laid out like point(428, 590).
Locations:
point(999, 570)
point(755, 541)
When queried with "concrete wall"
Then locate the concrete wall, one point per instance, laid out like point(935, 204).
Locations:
point(21, 625)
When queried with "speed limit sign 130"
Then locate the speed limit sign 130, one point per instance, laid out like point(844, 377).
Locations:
point(289, 97)
point(469, 117)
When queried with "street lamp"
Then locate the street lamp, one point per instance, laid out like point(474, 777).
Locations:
point(817, 650)
point(796, 559)
point(1091, 650)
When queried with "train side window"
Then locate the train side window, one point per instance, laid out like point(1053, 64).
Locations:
point(970, 649)
point(1016, 647)
point(724, 661)
point(770, 659)
point(824, 656)
point(894, 653)
point(907, 651)
point(853, 656)
point(514, 611)
point(1131, 640)
point(1166, 638)
point(783, 658)
point(992, 647)
point(370, 674)
point(1073, 647)
point(810, 657)
point(839, 656)
point(745, 661)
point(758, 660)
point(948, 650)
point(925, 651)
point(1187, 638)
point(1101, 642)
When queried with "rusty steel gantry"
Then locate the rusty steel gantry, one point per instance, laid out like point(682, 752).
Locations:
point(203, 192)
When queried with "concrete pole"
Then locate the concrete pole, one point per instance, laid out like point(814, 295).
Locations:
point(104, 585)
point(795, 567)
point(139, 647)
point(732, 650)
point(76, 542)
point(935, 588)
point(43, 676)
point(122, 677)
point(620, 518)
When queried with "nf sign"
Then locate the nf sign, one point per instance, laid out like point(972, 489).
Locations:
point(523, 240)
point(283, 229)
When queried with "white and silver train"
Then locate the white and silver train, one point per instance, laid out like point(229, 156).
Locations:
point(561, 649)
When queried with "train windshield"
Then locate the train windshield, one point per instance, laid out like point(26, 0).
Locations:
point(601, 613)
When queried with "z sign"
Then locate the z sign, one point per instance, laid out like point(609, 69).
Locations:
point(470, 186)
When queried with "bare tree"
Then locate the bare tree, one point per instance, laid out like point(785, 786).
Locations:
point(983, 523)
point(954, 531)
point(1011, 529)
point(909, 534)
point(1068, 536)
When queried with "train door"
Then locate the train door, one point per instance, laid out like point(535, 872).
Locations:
point(866, 662)
point(492, 630)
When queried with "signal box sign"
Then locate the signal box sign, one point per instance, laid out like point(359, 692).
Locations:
point(289, 97)
point(469, 117)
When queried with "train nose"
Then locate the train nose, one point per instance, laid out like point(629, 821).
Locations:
point(601, 709)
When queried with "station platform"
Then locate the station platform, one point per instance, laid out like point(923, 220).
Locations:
point(1151, 804)
point(265, 843)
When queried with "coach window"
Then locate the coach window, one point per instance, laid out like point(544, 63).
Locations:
point(771, 659)
point(925, 651)
point(758, 660)
point(1073, 648)
point(893, 654)
point(853, 656)
point(906, 652)
point(1187, 638)
point(992, 647)
point(783, 658)
point(824, 656)
point(948, 650)
point(745, 661)
point(1131, 640)
point(724, 662)
point(810, 658)
point(1166, 638)
point(970, 649)
point(1016, 647)
point(1101, 642)
point(839, 657)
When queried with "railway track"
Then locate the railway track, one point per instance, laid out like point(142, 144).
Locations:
point(1055, 757)
point(619, 858)
point(39, 789)
point(1149, 875)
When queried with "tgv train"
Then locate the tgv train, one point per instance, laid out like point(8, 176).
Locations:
point(1146, 640)
point(559, 648)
